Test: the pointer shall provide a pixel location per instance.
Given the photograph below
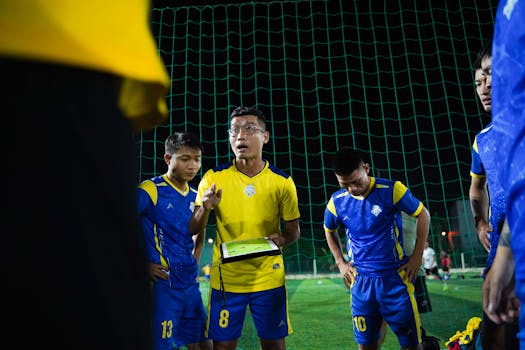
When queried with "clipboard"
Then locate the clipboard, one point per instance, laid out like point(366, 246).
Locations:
point(248, 249)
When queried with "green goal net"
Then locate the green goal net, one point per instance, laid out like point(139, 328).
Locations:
point(390, 78)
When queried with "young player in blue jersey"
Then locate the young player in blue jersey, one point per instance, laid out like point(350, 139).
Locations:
point(165, 205)
point(506, 279)
point(488, 211)
point(369, 210)
point(251, 199)
point(483, 167)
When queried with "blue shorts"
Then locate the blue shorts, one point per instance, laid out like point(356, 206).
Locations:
point(269, 309)
point(179, 316)
point(390, 298)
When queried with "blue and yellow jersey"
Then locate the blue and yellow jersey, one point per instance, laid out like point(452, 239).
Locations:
point(508, 116)
point(486, 164)
point(106, 36)
point(250, 207)
point(373, 224)
point(165, 212)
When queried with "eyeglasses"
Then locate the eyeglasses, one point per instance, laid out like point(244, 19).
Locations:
point(246, 129)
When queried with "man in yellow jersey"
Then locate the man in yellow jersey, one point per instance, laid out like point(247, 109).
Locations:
point(250, 197)
point(78, 77)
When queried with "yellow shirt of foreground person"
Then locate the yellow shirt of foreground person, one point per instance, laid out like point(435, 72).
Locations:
point(107, 36)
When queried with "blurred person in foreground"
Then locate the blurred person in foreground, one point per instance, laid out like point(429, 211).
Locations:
point(79, 78)
point(504, 286)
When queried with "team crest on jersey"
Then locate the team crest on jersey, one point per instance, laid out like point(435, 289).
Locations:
point(249, 190)
point(170, 206)
point(376, 210)
point(192, 206)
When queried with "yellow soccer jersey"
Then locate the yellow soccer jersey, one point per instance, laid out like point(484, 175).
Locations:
point(250, 207)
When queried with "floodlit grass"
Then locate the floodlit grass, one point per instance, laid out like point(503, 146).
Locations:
point(320, 313)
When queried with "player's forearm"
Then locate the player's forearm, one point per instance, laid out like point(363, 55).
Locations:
point(335, 246)
point(199, 244)
point(479, 211)
point(290, 234)
point(479, 201)
point(199, 220)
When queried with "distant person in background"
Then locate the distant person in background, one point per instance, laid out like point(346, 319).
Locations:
point(78, 79)
point(430, 265)
point(430, 262)
point(508, 116)
point(488, 211)
point(165, 205)
point(446, 264)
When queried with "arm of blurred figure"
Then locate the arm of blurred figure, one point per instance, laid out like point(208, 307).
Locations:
point(499, 301)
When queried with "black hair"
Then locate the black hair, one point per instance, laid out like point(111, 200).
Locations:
point(178, 140)
point(242, 111)
point(486, 51)
point(346, 160)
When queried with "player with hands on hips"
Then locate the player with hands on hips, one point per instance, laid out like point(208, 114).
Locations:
point(370, 210)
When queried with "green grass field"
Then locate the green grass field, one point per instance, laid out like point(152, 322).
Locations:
point(320, 313)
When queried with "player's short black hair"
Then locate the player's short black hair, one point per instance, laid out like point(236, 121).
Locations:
point(346, 160)
point(178, 140)
point(243, 110)
point(485, 51)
